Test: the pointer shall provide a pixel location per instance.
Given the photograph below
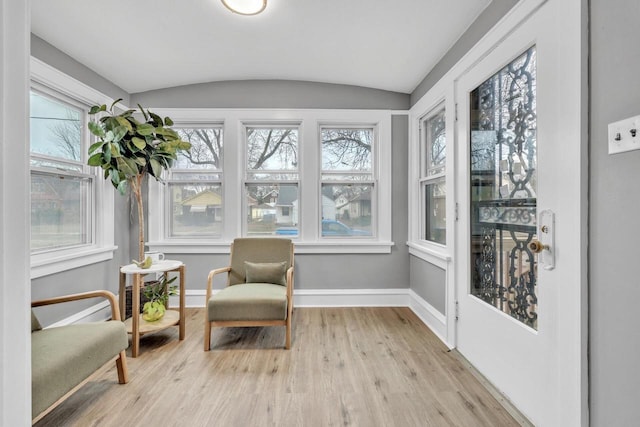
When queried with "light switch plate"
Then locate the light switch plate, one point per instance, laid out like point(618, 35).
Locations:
point(624, 135)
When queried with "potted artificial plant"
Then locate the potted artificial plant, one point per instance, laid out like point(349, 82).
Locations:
point(128, 150)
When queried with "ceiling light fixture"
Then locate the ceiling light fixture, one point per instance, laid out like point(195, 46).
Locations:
point(245, 7)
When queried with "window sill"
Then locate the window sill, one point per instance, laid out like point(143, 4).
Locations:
point(434, 254)
point(220, 247)
point(56, 262)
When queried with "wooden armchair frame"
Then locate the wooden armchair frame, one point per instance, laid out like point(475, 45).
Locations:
point(245, 323)
point(121, 359)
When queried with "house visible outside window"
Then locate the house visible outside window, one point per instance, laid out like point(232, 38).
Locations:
point(271, 199)
point(194, 186)
point(62, 185)
point(348, 181)
point(432, 177)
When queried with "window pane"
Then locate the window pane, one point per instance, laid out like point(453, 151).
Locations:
point(196, 209)
point(272, 149)
point(346, 210)
point(272, 209)
point(436, 143)
point(56, 128)
point(206, 149)
point(58, 211)
point(435, 212)
point(346, 149)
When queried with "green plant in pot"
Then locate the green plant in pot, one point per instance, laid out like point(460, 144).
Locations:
point(128, 150)
point(157, 293)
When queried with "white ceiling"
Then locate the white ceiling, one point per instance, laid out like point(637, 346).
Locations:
point(142, 45)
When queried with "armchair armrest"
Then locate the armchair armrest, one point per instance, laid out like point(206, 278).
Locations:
point(212, 273)
point(115, 310)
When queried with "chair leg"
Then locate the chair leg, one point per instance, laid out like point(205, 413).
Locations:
point(287, 343)
point(121, 365)
point(207, 335)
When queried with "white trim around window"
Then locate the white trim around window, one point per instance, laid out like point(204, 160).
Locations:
point(102, 210)
point(309, 122)
point(440, 96)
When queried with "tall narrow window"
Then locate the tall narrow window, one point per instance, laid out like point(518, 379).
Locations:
point(271, 197)
point(432, 180)
point(62, 186)
point(348, 181)
point(194, 190)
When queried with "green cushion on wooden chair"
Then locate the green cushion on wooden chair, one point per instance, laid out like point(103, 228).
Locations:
point(249, 301)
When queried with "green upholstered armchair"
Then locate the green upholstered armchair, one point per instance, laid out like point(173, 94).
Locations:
point(259, 289)
point(64, 358)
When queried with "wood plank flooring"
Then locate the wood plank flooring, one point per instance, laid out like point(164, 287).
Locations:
point(347, 367)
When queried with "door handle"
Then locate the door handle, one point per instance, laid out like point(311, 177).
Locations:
point(537, 247)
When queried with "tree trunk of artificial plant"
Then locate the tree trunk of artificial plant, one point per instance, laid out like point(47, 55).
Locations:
point(136, 187)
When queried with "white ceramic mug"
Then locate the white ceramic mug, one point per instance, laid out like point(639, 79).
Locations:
point(156, 257)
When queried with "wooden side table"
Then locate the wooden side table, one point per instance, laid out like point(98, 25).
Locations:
point(136, 325)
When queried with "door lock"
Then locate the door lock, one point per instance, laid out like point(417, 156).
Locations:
point(544, 245)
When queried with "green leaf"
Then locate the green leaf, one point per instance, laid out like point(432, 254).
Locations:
point(157, 120)
point(95, 146)
point(141, 161)
point(119, 133)
point(97, 108)
point(132, 165)
point(124, 167)
point(122, 187)
point(168, 121)
point(124, 122)
point(95, 160)
point(156, 168)
point(114, 149)
point(114, 103)
point(139, 142)
point(145, 129)
point(144, 113)
point(96, 129)
point(108, 137)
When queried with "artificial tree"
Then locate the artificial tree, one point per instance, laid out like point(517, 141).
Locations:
point(128, 150)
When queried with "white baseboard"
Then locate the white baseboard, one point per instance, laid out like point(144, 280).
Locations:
point(401, 297)
point(430, 316)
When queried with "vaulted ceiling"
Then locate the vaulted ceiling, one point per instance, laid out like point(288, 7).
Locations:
point(143, 45)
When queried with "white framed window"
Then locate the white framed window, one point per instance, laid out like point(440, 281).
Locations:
point(274, 178)
point(72, 218)
point(194, 191)
point(348, 176)
point(433, 194)
point(271, 187)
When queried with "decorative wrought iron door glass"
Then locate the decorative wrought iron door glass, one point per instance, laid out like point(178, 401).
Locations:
point(503, 189)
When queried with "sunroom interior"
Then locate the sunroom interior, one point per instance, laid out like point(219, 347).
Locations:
point(397, 163)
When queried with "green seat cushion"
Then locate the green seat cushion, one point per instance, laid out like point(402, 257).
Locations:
point(249, 301)
point(63, 357)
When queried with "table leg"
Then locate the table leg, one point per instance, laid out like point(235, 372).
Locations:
point(135, 314)
point(122, 296)
point(182, 292)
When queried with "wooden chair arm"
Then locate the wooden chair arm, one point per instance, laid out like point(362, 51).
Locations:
point(212, 273)
point(290, 282)
point(115, 309)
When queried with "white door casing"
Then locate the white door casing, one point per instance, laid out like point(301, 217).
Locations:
point(543, 372)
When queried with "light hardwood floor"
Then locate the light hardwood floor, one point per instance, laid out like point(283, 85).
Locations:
point(346, 367)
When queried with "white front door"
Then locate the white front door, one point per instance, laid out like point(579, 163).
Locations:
point(519, 153)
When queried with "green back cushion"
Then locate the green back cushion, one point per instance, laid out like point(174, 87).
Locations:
point(266, 272)
point(258, 250)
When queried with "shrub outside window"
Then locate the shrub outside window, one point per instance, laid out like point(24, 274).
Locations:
point(348, 181)
point(432, 179)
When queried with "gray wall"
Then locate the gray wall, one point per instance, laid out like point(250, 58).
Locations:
point(613, 210)
point(271, 94)
point(344, 271)
point(485, 21)
point(429, 282)
point(49, 54)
